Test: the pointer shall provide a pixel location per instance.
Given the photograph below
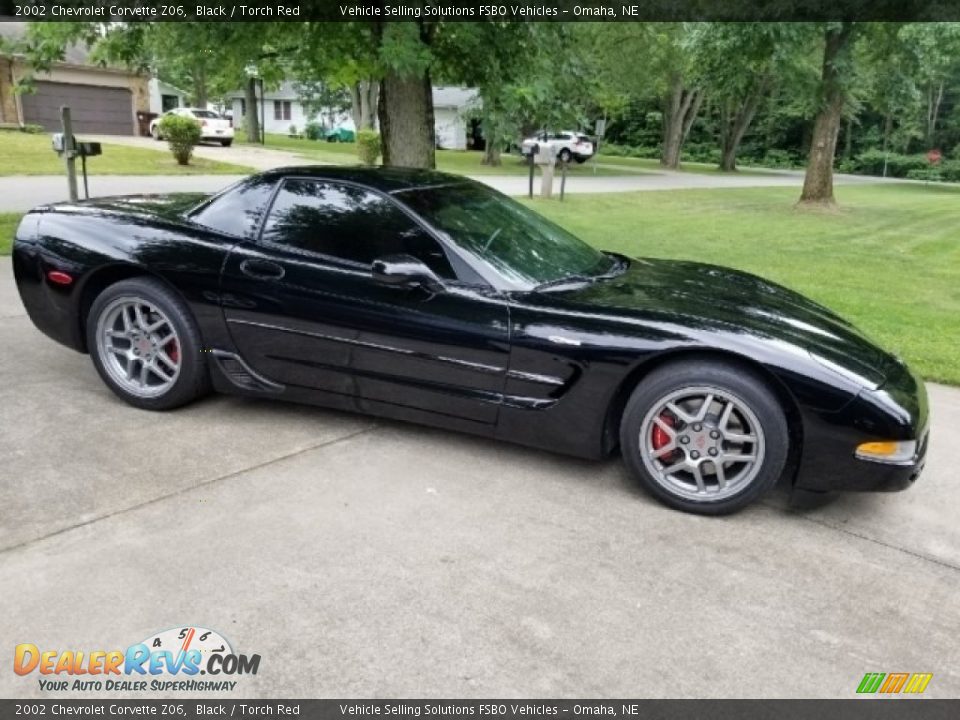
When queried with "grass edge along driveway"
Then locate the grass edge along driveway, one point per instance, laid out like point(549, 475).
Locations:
point(30, 154)
point(888, 258)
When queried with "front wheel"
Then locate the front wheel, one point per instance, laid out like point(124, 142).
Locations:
point(704, 437)
point(226, 143)
point(565, 156)
point(146, 345)
point(155, 133)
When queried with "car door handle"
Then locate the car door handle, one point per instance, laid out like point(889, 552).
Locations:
point(262, 269)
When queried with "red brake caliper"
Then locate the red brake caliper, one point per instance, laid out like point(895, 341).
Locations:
point(660, 438)
point(173, 350)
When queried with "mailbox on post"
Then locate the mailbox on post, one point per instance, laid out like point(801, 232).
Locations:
point(73, 149)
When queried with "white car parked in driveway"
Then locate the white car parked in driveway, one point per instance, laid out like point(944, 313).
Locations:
point(569, 145)
point(212, 126)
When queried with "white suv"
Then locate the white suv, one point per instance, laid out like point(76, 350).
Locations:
point(569, 145)
point(212, 126)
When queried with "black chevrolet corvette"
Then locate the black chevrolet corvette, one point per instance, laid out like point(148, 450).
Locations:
point(428, 297)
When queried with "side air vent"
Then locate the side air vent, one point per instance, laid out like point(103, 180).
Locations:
point(242, 375)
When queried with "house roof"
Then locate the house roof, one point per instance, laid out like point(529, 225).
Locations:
point(75, 54)
point(455, 97)
point(286, 91)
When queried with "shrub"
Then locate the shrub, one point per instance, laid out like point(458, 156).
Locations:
point(31, 129)
point(314, 130)
point(946, 171)
point(293, 130)
point(368, 146)
point(775, 158)
point(871, 162)
point(182, 133)
point(950, 170)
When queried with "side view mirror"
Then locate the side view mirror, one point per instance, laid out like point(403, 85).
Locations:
point(404, 271)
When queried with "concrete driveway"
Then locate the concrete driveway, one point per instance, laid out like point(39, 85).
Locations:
point(368, 558)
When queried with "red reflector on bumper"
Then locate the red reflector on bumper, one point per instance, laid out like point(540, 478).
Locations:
point(58, 277)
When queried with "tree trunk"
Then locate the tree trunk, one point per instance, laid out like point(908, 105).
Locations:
point(369, 94)
point(735, 126)
point(200, 87)
point(818, 181)
point(491, 150)
point(934, 98)
point(253, 114)
point(848, 140)
point(363, 102)
point(406, 120)
point(681, 110)
point(887, 127)
point(355, 106)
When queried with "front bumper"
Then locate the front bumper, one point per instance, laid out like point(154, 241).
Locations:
point(897, 410)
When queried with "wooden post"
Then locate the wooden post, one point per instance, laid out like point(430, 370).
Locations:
point(547, 160)
point(530, 189)
point(69, 151)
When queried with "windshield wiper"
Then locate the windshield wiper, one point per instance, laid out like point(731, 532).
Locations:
point(618, 267)
point(566, 280)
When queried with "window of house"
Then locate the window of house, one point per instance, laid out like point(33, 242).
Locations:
point(243, 107)
point(281, 109)
point(348, 223)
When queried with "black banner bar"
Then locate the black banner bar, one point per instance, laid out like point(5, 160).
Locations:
point(860, 709)
point(476, 10)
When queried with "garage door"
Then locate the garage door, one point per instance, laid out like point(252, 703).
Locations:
point(93, 108)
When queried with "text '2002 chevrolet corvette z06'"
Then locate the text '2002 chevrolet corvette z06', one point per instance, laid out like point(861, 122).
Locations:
point(426, 297)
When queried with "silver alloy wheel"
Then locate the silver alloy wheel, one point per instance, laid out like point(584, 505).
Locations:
point(702, 444)
point(139, 347)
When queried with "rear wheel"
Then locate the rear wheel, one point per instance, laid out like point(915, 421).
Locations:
point(707, 438)
point(155, 132)
point(565, 155)
point(226, 143)
point(146, 345)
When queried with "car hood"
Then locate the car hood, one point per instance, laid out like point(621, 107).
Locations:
point(714, 298)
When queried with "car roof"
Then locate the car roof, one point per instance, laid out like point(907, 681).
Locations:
point(385, 179)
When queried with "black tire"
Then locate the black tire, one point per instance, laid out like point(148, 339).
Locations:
point(732, 381)
point(226, 143)
point(565, 155)
point(155, 132)
point(192, 380)
point(580, 159)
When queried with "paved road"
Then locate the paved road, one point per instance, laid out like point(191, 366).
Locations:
point(369, 558)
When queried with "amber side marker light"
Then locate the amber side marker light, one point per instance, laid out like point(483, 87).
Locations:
point(888, 451)
point(59, 278)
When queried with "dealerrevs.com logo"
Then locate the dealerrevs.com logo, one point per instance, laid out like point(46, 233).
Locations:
point(167, 661)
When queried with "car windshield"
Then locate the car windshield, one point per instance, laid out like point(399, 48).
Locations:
point(524, 248)
point(204, 114)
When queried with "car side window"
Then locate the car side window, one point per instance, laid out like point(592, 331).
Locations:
point(348, 223)
point(237, 211)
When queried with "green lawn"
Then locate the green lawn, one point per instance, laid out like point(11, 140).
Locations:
point(653, 165)
point(459, 162)
point(888, 259)
point(467, 162)
point(27, 154)
point(8, 226)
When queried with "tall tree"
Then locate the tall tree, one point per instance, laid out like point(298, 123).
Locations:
point(645, 60)
point(743, 63)
point(834, 78)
